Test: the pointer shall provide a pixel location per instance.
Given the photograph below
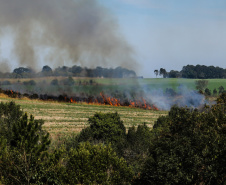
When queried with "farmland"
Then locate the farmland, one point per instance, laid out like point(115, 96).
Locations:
point(66, 118)
point(93, 86)
point(63, 118)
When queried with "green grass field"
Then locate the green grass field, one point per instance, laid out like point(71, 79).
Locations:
point(110, 85)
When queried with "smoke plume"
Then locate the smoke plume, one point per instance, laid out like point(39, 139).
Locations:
point(73, 31)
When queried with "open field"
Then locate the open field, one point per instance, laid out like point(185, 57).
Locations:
point(93, 86)
point(66, 118)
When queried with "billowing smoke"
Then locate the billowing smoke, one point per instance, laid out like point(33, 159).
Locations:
point(184, 97)
point(72, 31)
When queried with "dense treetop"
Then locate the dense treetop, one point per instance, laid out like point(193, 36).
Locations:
point(76, 71)
point(194, 72)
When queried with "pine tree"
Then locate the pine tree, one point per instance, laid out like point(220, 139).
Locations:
point(27, 150)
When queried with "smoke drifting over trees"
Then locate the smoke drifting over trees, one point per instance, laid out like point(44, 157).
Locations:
point(75, 31)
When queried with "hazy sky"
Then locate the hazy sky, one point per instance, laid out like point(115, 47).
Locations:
point(173, 33)
point(163, 33)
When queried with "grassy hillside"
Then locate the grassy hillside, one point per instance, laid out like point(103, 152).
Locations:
point(64, 118)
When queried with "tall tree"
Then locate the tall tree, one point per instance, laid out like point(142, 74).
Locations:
point(163, 73)
point(156, 71)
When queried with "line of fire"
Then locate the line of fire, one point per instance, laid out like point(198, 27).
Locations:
point(102, 99)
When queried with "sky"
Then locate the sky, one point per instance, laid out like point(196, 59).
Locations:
point(166, 34)
point(172, 33)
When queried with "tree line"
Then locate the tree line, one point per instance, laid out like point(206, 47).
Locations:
point(187, 146)
point(193, 72)
point(76, 71)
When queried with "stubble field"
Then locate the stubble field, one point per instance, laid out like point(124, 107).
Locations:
point(66, 118)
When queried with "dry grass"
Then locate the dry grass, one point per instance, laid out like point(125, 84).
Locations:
point(66, 118)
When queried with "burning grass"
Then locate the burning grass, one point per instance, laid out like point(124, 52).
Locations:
point(65, 118)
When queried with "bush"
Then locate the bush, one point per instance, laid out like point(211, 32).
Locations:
point(106, 128)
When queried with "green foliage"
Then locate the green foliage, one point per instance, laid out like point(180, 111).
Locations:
point(138, 142)
point(10, 113)
point(106, 128)
point(221, 89)
point(188, 148)
point(96, 164)
point(201, 84)
point(215, 92)
point(24, 156)
point(222, 98)
point(27, 149)
point(207, 92)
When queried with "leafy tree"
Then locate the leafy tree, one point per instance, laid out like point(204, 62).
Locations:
point(104, 128)
point(97, 164)
point(207, 92)
point(215, 92)
point(156, 72)
point(138, 142)
point(47, 71)
point(201, 84)
point(21, 70)
point(174, 74)
point(221, 89)
point(162, 72)
point(188, 148)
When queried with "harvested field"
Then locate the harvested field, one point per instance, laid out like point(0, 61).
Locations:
point(67, 118)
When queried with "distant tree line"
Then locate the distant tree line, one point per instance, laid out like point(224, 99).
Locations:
point(193, 72)
point(75, 71)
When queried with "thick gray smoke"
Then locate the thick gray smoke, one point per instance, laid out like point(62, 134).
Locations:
point(72, 31)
